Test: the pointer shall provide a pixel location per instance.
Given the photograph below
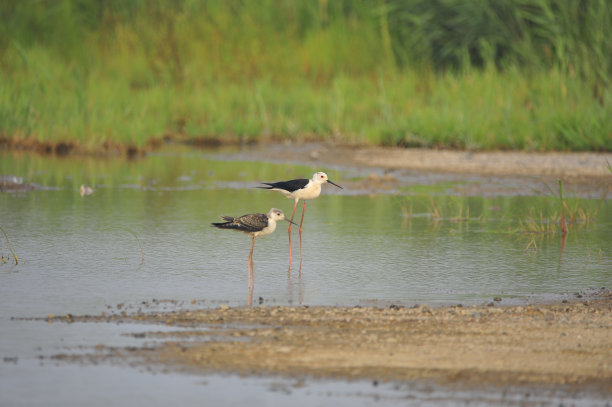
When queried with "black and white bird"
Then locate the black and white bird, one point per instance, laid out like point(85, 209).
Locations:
point(297, 189)
point(255, 225)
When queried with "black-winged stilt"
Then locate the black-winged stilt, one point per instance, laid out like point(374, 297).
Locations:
point(255, 225)
point(297, 189)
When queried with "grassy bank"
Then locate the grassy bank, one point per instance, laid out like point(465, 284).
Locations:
point(106, 76)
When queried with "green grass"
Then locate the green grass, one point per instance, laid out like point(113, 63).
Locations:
point(406, 73)
point(482, 110)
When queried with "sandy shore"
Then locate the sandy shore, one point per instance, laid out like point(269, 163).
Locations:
point(567, 343)
point(565, 165)
point(495, 173)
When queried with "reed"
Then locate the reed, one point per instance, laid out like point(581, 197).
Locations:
point(537, 223)
point(532, 75)
point(570, 213)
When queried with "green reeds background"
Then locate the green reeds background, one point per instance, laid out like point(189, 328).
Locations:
point(505, 74)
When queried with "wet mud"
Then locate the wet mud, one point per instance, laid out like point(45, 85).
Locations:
point(11, 183)
point(567, 165)
point(568, 343)
point(475, 173)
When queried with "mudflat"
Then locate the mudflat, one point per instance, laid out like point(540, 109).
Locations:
point(565, 343)
point(565, 165)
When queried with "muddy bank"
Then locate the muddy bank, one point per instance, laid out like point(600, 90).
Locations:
point(566, 165)
point(387, 170)
point(574, 166)
point(12, 183)
point(567, 343)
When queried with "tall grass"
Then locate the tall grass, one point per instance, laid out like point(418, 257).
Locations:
point(529, 74)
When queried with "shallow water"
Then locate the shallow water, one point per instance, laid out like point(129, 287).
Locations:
point(82, 255)
point(79, 254)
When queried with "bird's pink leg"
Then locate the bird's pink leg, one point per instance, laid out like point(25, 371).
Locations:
point(291, 224)
point(251, 280)
point(250, 297)
point(301, 222)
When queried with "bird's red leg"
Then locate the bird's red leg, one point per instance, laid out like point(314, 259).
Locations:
point(251, 280)
point(301, 222)
point(291, 224)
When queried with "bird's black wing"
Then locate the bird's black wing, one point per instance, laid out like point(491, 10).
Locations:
point(291, 185)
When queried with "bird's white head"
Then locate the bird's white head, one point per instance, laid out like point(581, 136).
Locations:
point(276, 214)
point(321, 178)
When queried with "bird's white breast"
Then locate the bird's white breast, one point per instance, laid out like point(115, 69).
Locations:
point(268, 229)
point(312, 191)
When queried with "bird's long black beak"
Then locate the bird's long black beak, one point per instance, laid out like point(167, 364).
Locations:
point(335, 184)
point(290, 221)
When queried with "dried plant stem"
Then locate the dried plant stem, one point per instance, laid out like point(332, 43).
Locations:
point(8, 244)
point(130, 231)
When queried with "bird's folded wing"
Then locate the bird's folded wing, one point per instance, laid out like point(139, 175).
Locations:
point(253, 222)
point(290, 186)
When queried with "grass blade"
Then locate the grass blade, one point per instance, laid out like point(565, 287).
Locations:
point(8, 244)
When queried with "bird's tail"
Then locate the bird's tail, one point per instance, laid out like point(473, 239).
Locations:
point(266, 186)
point(228, 224)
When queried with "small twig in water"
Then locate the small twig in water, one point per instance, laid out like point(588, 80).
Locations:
point(8, 244)
point(130, 231)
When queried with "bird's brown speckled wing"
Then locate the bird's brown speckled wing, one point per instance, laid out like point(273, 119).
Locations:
point(253, 222)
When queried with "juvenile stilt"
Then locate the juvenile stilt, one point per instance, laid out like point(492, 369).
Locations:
point(255, 225)
point(297, 189)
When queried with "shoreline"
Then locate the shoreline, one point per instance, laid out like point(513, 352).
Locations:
point(564, 164)
point(574, 166)
point(567, 343)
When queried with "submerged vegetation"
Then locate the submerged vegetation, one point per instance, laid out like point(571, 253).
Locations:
point(548, 218)
point(4, 259)
point(123, 76)
point(131, 232)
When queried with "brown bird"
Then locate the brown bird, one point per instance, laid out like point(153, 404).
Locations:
point(254, 225)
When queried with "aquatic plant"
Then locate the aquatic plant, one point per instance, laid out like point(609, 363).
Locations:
point(570, 213)
point(454, 210)
point(537, 223)
point(130, 231)
point(8, 245)
point(433, 210)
